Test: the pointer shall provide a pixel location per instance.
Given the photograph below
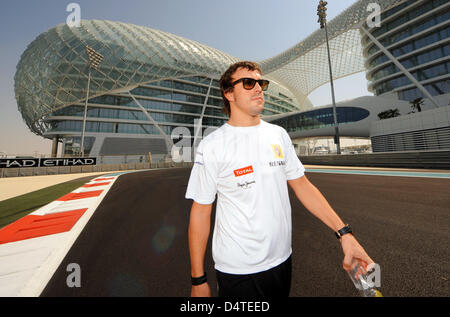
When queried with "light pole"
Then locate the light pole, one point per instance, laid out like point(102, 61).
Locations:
point(94, 61)
point(321, 12)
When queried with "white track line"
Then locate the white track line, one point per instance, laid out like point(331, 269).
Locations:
point(27, 266)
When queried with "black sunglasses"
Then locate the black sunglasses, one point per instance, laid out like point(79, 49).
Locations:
point(249, 83)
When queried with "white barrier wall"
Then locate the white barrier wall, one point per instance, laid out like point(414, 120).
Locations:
point(426, 130)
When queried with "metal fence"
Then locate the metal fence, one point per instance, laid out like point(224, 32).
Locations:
point(438, 159)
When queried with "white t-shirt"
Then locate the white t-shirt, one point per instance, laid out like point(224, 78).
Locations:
point(248, 169)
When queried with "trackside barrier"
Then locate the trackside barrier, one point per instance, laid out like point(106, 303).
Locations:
point(36, 171)
point(437, 159)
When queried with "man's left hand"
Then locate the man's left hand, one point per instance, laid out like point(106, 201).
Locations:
point(353, 251)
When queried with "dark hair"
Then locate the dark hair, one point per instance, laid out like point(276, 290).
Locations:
point(225, 80)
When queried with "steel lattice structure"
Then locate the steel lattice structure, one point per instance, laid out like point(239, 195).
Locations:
point(53, 71)
point(304, 67)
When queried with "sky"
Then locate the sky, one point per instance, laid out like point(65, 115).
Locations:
point(251, 30)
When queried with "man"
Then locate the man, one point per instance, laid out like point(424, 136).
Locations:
point(248, 163)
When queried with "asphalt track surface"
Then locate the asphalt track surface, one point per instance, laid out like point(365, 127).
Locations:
point(136, 242)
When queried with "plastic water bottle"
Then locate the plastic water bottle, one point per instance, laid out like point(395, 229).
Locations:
point(362, 280)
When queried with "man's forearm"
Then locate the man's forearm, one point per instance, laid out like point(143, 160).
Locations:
point(198, 233)
point(315, 202)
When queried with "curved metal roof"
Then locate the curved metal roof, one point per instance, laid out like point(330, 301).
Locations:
point(53, 70)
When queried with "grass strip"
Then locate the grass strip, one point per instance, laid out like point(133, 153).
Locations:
point(15, 208)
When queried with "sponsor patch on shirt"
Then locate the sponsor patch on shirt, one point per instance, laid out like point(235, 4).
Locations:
point(243, 171)
point(277, 163)
point(276, 148)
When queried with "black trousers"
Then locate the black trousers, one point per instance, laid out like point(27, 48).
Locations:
point(272, 283)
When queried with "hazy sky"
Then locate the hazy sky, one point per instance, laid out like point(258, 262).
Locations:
point(252, 30)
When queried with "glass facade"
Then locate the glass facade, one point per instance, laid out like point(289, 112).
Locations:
point(171, 103)
point(168, 107)
point(417, 34)
point(321, 118)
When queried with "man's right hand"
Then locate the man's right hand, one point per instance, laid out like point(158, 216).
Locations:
point(198, 233)
point(202, 290)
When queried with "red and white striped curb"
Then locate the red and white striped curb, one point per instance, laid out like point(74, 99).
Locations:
point(33, 247)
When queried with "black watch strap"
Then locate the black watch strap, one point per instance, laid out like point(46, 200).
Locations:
point(344, 230)
point(199, 280)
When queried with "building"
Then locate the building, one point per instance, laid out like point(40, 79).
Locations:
point(151, 82)
point(416, 33)
point(355, 118)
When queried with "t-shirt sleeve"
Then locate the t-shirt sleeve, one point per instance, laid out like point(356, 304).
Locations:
point(202, 186)
point(294, 168)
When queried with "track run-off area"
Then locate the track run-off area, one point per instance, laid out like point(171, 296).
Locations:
point(136, 243)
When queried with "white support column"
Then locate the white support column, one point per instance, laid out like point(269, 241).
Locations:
point(85, 113)
point(399, 65)
point(55, 146)
point(166, 137)
point(200, 122)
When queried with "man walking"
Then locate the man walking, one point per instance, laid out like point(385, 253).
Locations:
point(248, 164)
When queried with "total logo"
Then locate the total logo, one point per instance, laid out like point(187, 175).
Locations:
point(243, 171)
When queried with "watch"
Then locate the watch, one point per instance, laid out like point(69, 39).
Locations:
point(344, 230)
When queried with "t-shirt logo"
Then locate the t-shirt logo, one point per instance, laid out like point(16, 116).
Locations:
point(276, 148)
point(243, 171)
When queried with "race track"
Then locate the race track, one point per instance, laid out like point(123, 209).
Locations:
point(136, 243)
